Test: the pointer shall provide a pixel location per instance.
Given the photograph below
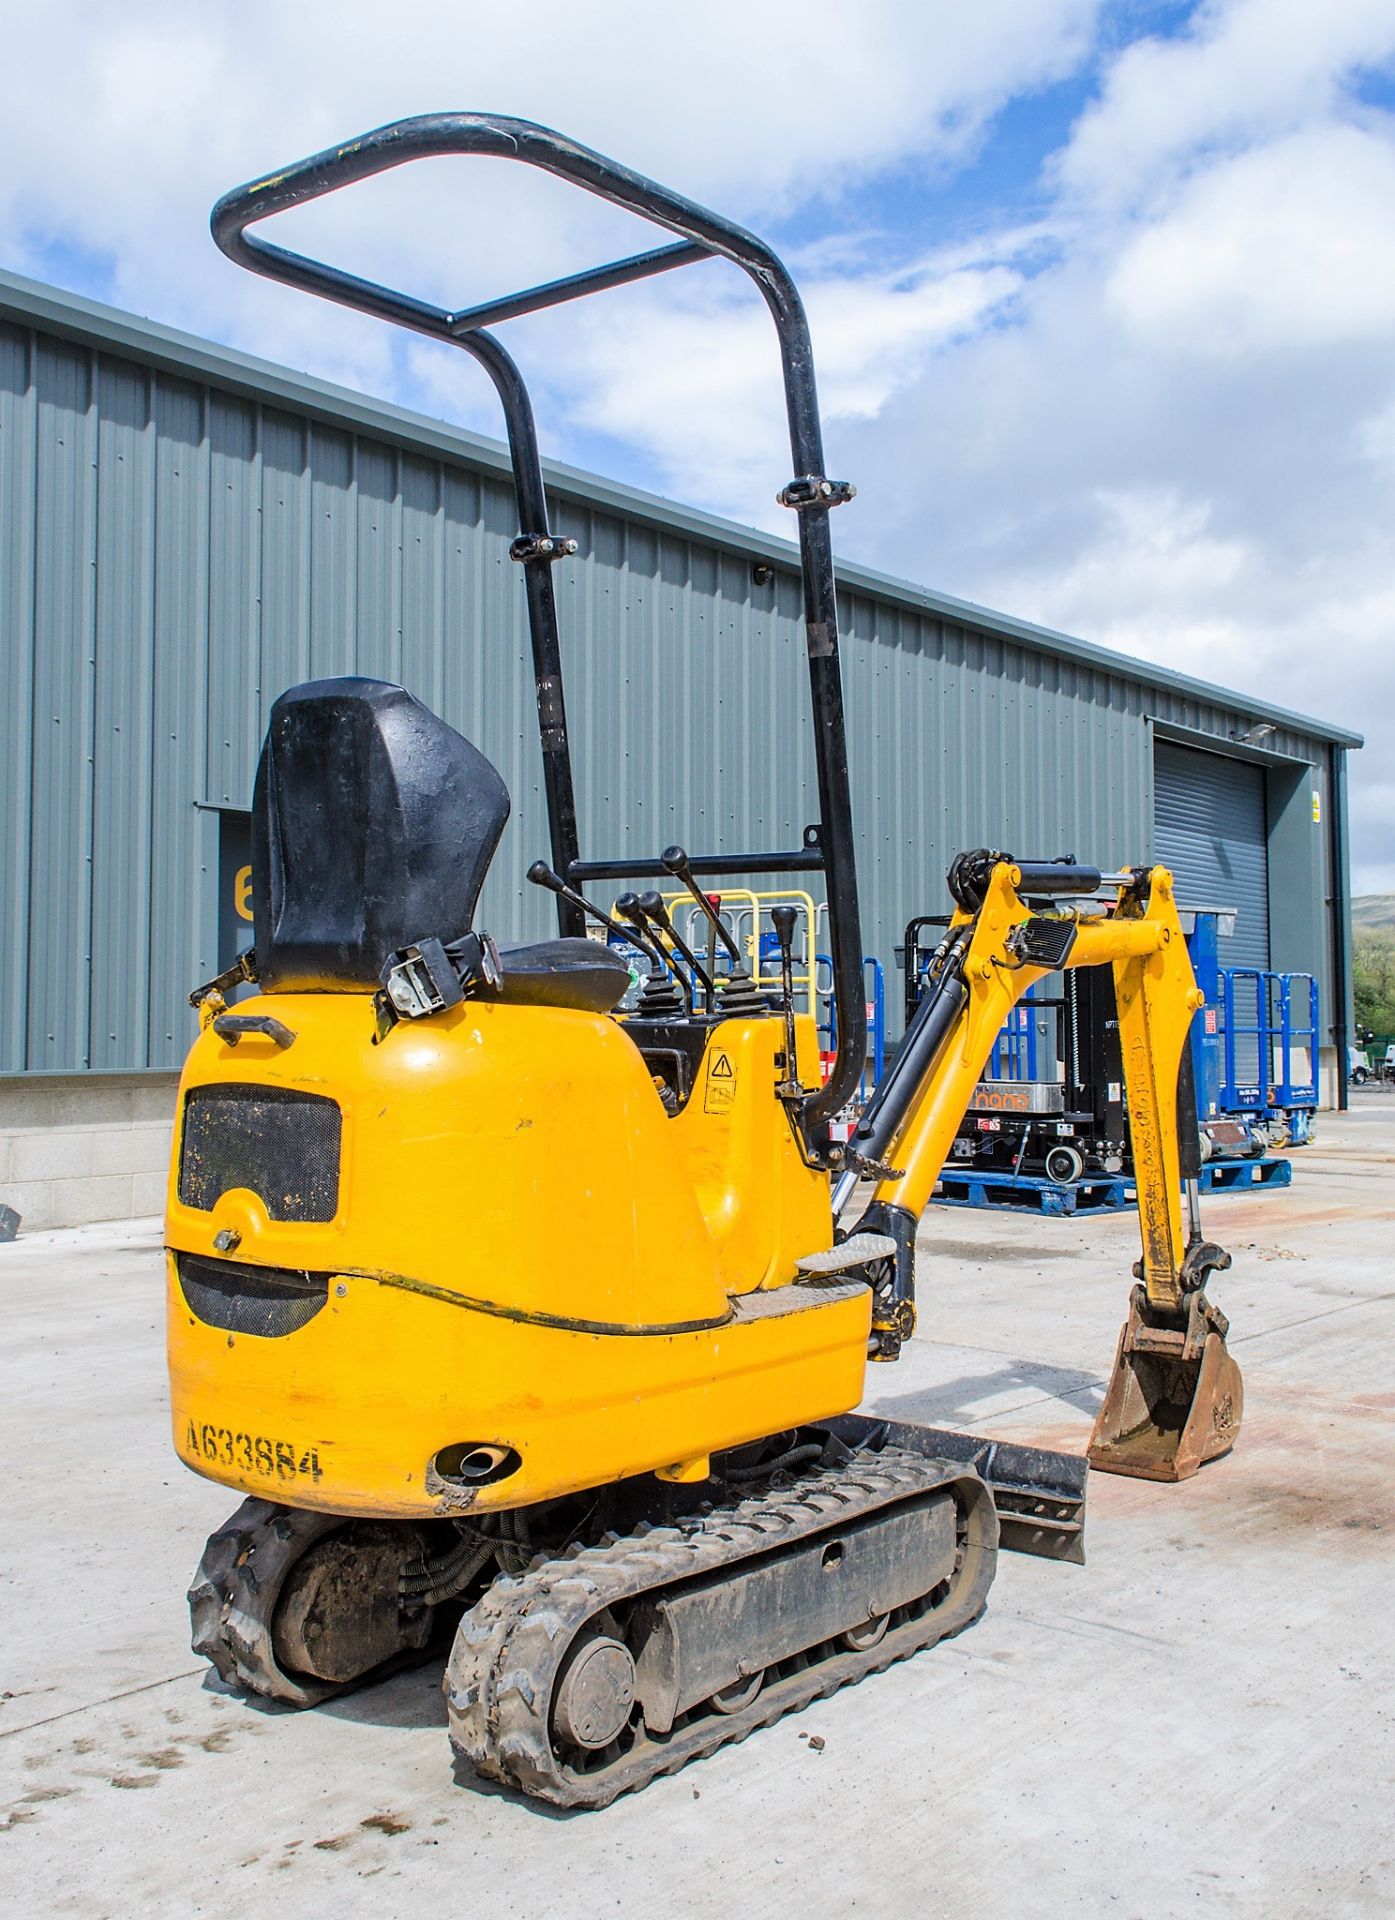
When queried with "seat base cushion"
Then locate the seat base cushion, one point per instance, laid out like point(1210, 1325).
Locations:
point(562, 973)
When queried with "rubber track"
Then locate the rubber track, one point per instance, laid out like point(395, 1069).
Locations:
point(233, 1599)
point(511, 1645)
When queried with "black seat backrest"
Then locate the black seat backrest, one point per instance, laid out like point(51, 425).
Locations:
point(373, 826)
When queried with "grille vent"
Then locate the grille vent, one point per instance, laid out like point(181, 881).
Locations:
point(282, 1145)
point(267, 1301)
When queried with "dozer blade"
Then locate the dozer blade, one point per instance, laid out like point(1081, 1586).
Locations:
point(1039, 1495)
point(1175, 1397)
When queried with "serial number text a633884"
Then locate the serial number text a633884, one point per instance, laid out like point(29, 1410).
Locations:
point(261, 1454)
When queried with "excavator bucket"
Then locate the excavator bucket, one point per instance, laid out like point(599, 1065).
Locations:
point(1175, 1396)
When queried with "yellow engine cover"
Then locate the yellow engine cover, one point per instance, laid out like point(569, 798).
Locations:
point(525, 1252)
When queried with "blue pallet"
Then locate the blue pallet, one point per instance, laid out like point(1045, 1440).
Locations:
point(1094, 1193)
point(1032, 1193)
point(1238, 1176)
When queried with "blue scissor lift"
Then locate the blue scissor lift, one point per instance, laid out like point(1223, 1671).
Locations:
point(1254, 1048)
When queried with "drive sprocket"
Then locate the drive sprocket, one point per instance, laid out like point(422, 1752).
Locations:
point(296, 1606)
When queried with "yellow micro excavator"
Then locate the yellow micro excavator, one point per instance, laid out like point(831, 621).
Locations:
point(521, 1319)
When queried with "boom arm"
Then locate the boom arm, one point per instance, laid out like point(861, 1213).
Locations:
point(996, 951)
point(1142, 940)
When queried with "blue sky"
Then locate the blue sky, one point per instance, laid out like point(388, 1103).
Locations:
point(1103, 295)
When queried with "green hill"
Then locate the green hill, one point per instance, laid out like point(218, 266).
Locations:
point(1373, 961)
point(1373, 911)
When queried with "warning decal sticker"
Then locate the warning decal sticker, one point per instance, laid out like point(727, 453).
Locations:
point(720, 1092)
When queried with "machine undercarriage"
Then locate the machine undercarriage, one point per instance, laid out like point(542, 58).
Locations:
point(601, 1641)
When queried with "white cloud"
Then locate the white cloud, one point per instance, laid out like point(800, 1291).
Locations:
point(696, 383)
point(1286, 248)
point(1375, 441)
point(1244, 72)
point(1184, 444)
point(173, 105)
point(1154, 581)
point(1372, 811)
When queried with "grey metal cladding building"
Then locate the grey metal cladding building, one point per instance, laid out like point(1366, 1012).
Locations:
point(185, 531)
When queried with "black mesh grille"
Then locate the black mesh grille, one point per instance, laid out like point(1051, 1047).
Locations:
point(284, 1146)
point(268, 1301)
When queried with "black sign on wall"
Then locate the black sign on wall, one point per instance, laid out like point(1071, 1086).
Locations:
point(234, 886)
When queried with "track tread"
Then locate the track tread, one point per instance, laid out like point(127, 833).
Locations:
point(245, 1564)
point(520, 1632)
point(233, 1600)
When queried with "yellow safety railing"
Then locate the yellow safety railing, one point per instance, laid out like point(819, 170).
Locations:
point(746, 916)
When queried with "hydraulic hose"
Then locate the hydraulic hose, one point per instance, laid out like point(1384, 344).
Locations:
point(891, 1098)
point(438, 1580)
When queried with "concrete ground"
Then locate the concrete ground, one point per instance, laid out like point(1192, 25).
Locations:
point(1197, 1722)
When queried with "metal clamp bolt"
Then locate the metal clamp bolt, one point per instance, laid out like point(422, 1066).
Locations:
point(541, 546)
point(812, 490)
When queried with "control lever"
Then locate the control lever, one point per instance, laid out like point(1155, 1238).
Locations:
point(651, 905)
point(714, 927)
point(676, 861)
point(783, 920)
point(628, 909)
point(541, 875)
point(740, 998)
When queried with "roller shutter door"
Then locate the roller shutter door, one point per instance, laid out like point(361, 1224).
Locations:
point(1210, 829)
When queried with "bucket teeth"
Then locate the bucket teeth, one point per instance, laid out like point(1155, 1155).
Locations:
point(1175, 1397)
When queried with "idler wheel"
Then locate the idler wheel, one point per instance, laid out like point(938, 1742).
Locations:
point(595, 1694)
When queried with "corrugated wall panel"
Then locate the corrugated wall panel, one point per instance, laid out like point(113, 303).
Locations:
point(329, 556)
point(18, 504)
point(180, 647)
point(420, 625)
point(461, 592)
point(122, 765)
point(60, 883)
point(234, 595)
point(376, 583)
point(176, 554)
point(286, 597)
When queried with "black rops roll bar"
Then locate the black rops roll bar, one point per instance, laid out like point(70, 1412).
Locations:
point(810, 494)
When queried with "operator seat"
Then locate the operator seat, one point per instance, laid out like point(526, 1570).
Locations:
point(373, 826)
